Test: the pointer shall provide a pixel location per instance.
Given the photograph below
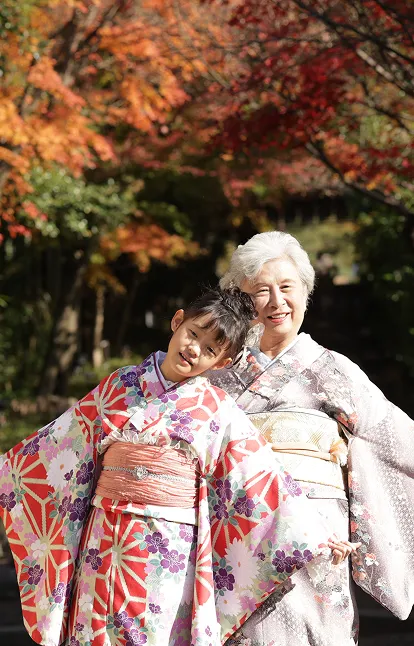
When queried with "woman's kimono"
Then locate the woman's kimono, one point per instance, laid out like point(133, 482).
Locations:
point(309, 403)
point(145, 574)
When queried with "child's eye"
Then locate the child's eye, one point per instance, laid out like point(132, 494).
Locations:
point(193, 333)
point(211, 351)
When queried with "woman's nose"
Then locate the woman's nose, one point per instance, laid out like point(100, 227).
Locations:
point(276, 297)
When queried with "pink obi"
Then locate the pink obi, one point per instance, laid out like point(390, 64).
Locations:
point(149, 475)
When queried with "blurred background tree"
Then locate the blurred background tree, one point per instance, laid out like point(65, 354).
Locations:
point(140, 142)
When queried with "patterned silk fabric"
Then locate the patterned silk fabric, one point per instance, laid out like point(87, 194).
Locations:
point(379, 481)
point(127, 574)
point(308, 433)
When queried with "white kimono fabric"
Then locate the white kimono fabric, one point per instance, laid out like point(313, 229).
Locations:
point(366, 491)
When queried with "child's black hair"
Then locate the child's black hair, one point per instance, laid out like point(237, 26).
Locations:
point(231, 312)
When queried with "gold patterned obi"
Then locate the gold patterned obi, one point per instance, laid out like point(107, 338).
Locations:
point(309, 443)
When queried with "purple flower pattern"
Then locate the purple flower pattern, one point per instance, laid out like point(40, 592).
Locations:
point(131, 379)
point(44, 432)
point(68, 475)
point(221, 510)
point(154, 609)
point(244, 506)
point(85, 473)
point(79, 509)
point(282, 562)
point(8, 500)
point(64, 506)
point(214, 427)
point(121, 620)
point(156, 543)
point(34, 574)
point(187, 533)
point(224, 580)
point(223, 488)
point(182, 433)
point(301, 558)
point(173, 561)
point(181, 416)
point(32, 447)
point(59, 593)
point(168, 396)
point(94, 559)
point(292, 486)
point(135, 637)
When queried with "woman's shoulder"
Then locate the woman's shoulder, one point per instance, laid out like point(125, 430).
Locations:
point(346, 366)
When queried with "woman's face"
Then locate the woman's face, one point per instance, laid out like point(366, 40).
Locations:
point(280, 299)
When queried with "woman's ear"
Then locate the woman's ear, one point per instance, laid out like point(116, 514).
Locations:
point(177, 319)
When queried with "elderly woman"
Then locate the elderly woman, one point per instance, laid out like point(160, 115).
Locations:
point(347, 447)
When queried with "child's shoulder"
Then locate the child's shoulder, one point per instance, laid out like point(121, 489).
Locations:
point(226, 401)
point(127, 376)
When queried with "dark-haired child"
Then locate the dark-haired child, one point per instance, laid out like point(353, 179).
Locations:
point(187, 525)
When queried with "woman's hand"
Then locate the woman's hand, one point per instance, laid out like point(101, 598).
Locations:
point(341, 549)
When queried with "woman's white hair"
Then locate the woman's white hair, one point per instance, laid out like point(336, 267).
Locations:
point(249, 258)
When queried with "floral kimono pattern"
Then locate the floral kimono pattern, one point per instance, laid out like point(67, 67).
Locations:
point(95, 571)
point(308, 381)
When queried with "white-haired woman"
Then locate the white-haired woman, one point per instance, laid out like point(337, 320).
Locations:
point(347, 447)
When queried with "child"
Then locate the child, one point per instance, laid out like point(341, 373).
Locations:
point(192, 523)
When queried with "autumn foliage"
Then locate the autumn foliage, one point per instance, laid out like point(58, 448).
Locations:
point(329, 80)
point(91, 83)
point(249, 89)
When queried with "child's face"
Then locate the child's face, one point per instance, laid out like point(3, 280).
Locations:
point(192, 350)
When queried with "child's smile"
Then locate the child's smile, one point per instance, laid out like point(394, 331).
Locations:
point(193, 349)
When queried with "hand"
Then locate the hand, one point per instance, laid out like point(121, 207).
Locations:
point(341, 549)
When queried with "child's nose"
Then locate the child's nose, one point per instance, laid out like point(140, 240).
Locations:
point(194, 349)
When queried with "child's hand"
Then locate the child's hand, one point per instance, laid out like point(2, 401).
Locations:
point(341, 549)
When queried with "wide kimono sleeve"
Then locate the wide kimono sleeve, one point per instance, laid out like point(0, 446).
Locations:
point(381, 485)
point(45, 490)
point(256, 528)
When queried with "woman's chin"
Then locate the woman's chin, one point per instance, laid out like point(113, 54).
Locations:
point(278, 326)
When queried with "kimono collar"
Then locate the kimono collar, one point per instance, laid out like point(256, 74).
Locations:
point(300, 353)
point(159, 358)
point(153, 383)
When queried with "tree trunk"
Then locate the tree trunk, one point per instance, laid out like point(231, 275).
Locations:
point(97, 352)
point(126, 315)
point(64, 338)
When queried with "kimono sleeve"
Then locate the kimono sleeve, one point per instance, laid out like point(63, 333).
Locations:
point(45, 490)
point(263, 528)
point(381, 487)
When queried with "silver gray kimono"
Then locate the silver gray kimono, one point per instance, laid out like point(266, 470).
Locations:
point(343, 442)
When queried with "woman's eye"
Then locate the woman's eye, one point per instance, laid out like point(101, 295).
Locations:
point(261, 292)
point(193, 334)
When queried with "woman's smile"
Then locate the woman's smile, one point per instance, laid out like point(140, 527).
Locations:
point(280, 300)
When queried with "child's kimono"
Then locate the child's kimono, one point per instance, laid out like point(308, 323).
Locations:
point(147, 574)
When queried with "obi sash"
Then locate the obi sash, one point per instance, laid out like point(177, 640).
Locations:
point(309, 443)
point(149, 475)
